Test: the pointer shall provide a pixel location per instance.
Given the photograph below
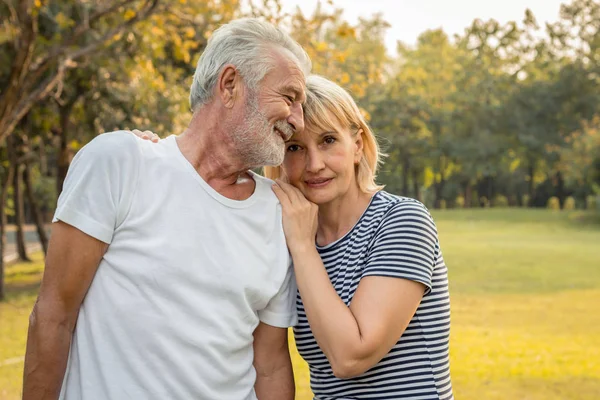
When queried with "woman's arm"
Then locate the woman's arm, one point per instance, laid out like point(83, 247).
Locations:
point(353, 338)
point(146, 135)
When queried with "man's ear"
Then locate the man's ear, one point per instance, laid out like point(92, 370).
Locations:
point(229, 85)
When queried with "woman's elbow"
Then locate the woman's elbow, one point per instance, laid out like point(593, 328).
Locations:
point(349, 368)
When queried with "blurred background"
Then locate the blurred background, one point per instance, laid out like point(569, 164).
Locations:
point(489, 113)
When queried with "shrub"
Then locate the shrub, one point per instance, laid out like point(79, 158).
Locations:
point(460, 202)
point(591, 202)
point(474, 199)
point(484, 202)
point(569, 203)
point(500, 201)
point(442, 204)
point(553, 203)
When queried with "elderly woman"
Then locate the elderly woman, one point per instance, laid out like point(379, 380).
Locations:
point(373, 304)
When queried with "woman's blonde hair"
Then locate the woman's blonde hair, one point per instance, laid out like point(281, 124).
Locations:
point(324, 100)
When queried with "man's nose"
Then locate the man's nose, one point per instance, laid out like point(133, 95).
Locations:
point(296, 118)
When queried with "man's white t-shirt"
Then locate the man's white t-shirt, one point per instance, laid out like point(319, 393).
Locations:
point(186, 279)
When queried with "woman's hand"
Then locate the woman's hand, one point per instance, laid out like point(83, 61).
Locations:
point(146, 135)
point(299, 217)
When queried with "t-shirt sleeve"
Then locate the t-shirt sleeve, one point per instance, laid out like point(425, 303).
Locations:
point(405, 245)
point(281, 309)
point(99, 185)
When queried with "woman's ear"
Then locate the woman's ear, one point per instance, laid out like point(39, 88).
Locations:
point(359, 143)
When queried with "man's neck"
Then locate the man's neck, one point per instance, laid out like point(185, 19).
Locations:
point(210, 150)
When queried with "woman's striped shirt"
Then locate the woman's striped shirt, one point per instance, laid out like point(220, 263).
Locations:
point(395, 237)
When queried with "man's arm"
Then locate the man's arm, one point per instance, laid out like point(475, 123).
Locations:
point(71, 263)
point(274, 375)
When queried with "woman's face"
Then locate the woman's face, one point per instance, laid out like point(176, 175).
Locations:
point(322, 164)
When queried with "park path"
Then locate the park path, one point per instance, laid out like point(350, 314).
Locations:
point(31, 240)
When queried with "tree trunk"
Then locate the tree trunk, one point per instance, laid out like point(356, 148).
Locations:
point(438, 188)
point(35, 211)
point(3, 195)
point(416, 185)
point(45, 172)
point(468, 193)
point(64, 154)
point(560, 189)
point(19, 214)
point(2, 237)
point(519, 196)
point(43, 157)
point(405, 175)
point(530, 185)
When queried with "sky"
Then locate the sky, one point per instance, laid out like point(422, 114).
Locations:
point(409, 18)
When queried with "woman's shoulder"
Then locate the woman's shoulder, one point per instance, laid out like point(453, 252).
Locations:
point(384, 215)
point(393, 205)
point(392, 212)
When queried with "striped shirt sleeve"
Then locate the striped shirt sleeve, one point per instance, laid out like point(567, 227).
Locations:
point(405, 245)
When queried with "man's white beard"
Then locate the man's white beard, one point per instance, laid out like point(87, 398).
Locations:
point(256, 140)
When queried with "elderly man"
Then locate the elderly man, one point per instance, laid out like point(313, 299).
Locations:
point(167, 275)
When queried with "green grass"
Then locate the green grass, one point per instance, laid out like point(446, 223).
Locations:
point(520, 251)
point(22, 282)
point(525, 289)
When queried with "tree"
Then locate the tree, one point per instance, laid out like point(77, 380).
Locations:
point(353, 56)
point(580, 160)
point(7, 169)
point(429, 72)
point(42, 55)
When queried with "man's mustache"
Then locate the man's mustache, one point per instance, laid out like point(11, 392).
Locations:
point(285, 128)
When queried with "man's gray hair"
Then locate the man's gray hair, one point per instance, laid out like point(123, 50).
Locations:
point(245, 43)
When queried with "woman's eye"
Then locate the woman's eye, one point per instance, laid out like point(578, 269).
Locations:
point(293, 147)
point(329, 140)
point(289, 98)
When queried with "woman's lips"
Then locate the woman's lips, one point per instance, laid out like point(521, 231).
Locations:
point(318, 183)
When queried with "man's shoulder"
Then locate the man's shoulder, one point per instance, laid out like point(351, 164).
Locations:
point(115, 143)
point(116, 151)
point(259, 178)
point(121, 149)
point(264, 187)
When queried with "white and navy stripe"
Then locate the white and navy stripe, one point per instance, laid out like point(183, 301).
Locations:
point(395, 237)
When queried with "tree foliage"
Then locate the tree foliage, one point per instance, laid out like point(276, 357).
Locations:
point(500, 113)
